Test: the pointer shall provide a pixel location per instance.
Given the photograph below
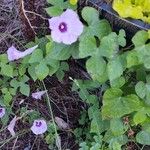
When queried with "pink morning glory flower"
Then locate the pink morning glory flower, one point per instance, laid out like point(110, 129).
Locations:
point(39, 127)
point(14, 54)
point(38, 95)
point(12, 124)
point(2, 112)
point(66, 28)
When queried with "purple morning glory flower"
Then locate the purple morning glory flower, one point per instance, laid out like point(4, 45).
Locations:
point(39, 127)
point(38, 95)
point(2, 112)
point(66, 28)
point(14, 54)
point(12, 124)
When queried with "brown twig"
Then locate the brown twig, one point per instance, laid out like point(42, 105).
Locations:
point(30, 31)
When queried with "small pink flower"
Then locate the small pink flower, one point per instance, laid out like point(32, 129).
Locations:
point(14, 54)
point(39, 127)
point(38, 95)
point(2, 112)
point(12, 124)
point(66, 28)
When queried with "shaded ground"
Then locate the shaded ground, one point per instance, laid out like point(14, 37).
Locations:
point(21, 21)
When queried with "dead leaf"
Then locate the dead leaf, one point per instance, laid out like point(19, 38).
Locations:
point(62, 124)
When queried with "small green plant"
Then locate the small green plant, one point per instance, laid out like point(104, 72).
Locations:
point(117, 114)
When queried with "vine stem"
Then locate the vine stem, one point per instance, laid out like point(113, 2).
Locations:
point(87, 99)
point(50, 109)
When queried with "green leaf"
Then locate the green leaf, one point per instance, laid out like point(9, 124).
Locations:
point(112, 93)
point(42, 70)
point(141, 74)
point(32, 73)
point(140, 89)
point(140, 116)
point(84, 146)
point(24, 78)
point(115, 68)
point(147, 62)
point(55, 2)
point(7, 98)
point(53, 65)
point(87, 47)
point(132, 59)
point(64, 66)
point(14, 83)
point(58, 7)
point(97, 124)
point(4, 58)
point(121, 38)
point(140, 38)
point(117, 127)
point(119, 82)
point(109, 45)
point(96, 67)
point(143, 138)
point(147, 100)
point(36, 56)
point(60, 73)
point(90, 14)
point(25, 89)
point(116, 146)
point(59, 51)
point(116, 106)
point(52, 70)
point(7, 70)
point(110, 138)
point(54, 10)
point(99, 29)
point(22, 69)
point(96, 27)
point(143, 53)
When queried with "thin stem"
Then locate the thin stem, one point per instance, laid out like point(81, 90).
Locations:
point(50, 109)
point(87, 99)
point(15, 143)
point(11, 138)
point(31, 12)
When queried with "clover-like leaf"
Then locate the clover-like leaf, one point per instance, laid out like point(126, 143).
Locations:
point(42, 70)
point(143, 137)
point(36, 56)
point(116, 106)
point(96, 67)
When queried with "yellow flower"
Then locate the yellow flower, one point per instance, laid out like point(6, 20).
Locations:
point(73, 2)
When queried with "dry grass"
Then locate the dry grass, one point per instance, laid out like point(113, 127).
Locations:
point(15, 20)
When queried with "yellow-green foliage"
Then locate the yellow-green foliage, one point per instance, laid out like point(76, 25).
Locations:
point(136, 9)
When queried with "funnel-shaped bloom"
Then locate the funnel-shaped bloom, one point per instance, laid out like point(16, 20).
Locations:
point(39, 127)
point(66, 28)
point(2, 112)
point(11, 125)
point(38, 95)
point(14, 54)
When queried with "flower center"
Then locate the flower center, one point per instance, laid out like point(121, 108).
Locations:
point(63, 27)
point(1, 110)
point(38, 124)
